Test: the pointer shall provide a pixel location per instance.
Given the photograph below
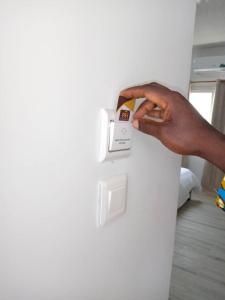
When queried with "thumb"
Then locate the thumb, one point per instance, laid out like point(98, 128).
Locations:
point(148, 126)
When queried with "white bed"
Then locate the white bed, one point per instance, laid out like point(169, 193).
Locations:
point(188, 183)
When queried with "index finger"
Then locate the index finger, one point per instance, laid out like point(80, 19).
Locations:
point(155, 93)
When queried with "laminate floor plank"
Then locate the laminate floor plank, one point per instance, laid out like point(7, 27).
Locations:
point(199, 256)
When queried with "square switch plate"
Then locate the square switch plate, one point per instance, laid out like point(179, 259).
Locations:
point(112, 198)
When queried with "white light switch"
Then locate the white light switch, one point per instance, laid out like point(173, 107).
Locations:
point(112, 198)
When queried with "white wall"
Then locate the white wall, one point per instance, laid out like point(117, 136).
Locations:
point(206, 57)
point(60, 62)
point(210, 22)
point(210, 50)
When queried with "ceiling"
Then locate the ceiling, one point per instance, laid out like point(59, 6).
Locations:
point(210, 22)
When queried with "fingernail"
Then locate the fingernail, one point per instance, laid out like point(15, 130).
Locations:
point(135, 124)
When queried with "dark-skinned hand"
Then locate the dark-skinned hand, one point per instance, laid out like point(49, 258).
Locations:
point(168, 116)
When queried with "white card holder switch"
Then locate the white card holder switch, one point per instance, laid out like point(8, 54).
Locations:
point(120, 136)
point(115, 137)
point(112, 198)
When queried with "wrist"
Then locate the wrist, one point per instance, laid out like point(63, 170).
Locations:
point(212, 147)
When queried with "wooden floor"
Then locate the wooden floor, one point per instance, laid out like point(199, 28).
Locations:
point(199, 257)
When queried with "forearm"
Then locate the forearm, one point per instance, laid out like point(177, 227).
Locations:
point(213, 148)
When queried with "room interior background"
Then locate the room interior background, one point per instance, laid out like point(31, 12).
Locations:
point(60, 63)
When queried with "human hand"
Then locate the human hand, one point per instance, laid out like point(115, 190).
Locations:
point(168, 116)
